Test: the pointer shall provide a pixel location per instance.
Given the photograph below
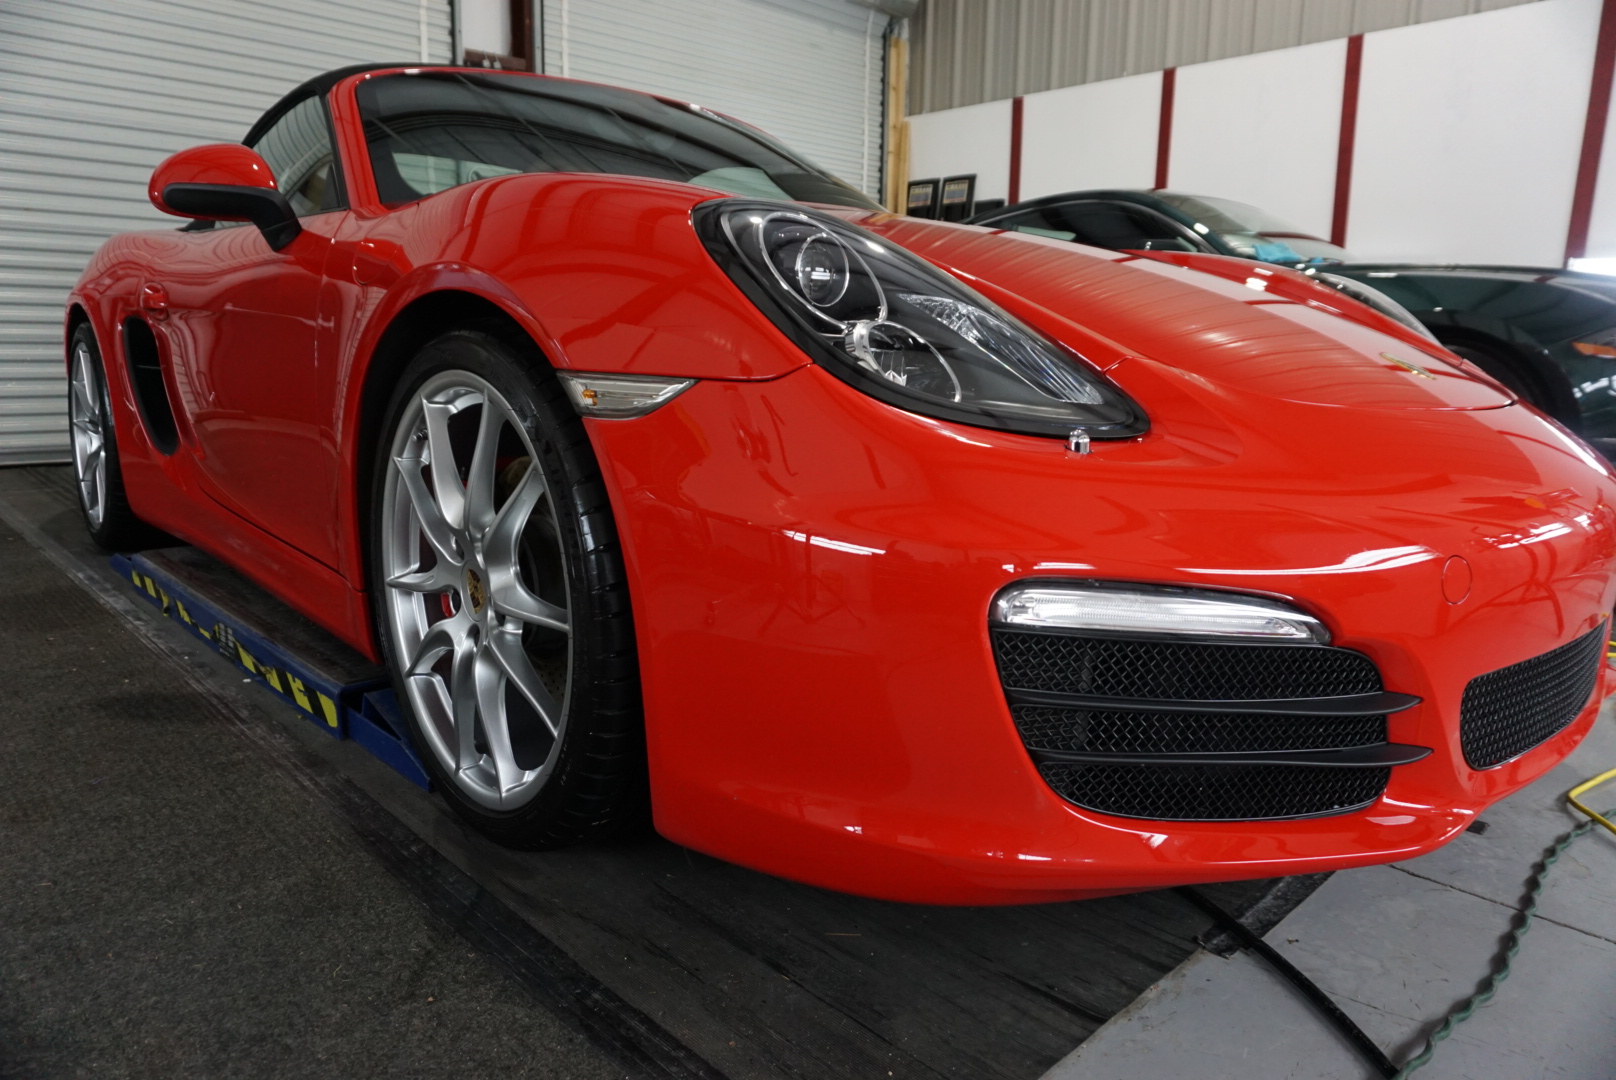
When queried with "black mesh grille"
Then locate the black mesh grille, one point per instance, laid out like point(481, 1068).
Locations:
point(1507, 712)
point(1215, 792)
point(1104, 732)
point(1202, 672)
point(1107, 667)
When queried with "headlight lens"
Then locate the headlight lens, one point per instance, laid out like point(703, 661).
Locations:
point(903, 331)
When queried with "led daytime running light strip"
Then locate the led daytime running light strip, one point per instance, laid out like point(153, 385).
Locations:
point(1106, 608)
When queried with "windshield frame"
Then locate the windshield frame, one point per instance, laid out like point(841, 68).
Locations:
point(1244, 229)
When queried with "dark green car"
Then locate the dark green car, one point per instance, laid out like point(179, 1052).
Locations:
point(1549, 334)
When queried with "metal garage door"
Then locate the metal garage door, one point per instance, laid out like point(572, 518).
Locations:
point(93, 94)
point(807, 71)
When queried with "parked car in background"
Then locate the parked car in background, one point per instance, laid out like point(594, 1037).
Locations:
point(1546, 333)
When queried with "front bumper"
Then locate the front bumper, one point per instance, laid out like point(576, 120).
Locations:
point(811, 572)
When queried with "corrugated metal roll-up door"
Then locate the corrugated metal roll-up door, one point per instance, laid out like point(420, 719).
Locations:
point(807, 71)
point(93, 94)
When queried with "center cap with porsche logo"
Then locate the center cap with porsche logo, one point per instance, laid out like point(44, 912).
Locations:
point(475, 592)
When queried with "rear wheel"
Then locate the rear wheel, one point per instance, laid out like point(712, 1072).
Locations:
point(501, 598)
point(97, 474)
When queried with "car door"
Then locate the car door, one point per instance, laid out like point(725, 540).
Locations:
point(258, 391)
point(1105, 223)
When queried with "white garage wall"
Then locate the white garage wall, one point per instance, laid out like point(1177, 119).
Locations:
point(1468, 136)
point(1262, 129)
point(1469, 132)
point(93, 94)
point(1100, 134)
point(808, 72)
point(974, 139)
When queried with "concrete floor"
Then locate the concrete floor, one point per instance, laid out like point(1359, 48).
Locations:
point(172, 904)
point(1396, 947)
point(275, 902)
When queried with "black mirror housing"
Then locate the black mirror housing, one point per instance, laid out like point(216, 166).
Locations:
point(264, 207)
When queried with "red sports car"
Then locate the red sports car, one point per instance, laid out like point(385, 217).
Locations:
point(901, 557)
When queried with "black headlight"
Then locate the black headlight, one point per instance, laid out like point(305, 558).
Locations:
point(903, 331)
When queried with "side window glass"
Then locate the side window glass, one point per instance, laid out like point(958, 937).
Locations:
point(1036, 222)
point(299, 153)
point(1123, 227)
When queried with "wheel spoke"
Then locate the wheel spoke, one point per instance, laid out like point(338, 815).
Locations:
point(463, 695)
point(83, 407)
point(440, 578)
point(506, 591)
point(445, 473)
point(508, 596)
point(99, 471)
point(506, 648)
point(447, 635)
point(437, 531)
point(496, 721)
point(84, 388)
point(484, 464)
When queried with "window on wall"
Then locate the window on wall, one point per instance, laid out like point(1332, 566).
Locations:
point(498, 34)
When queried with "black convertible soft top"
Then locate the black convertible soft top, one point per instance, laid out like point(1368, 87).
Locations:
point(320, 84)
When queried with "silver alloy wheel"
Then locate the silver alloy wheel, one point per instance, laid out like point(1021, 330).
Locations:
point(89, 435)
point(470, 542)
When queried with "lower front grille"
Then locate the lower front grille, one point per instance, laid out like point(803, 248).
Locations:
point(1176, 730)
point(1216, 792)
point(1128, 731)
point(1188, 670)
point(1507, 712)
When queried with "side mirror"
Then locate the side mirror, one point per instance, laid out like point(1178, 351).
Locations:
point(224, 182)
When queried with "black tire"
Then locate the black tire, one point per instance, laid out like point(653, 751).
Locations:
point(116, 528)
point(596, 781)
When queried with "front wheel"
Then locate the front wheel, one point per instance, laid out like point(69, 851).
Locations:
point(501, 598)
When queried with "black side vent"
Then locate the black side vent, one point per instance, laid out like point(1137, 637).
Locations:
point(1507, 712)
point(1201, 731)
point(151, 393)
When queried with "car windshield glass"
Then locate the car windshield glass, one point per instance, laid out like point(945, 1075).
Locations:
point(429, 131)
point(1254, 233)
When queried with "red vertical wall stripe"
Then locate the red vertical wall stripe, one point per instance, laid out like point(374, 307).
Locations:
point(1349, 133)
point(1015, 149)
point(1593, 134)
point(1164, 131)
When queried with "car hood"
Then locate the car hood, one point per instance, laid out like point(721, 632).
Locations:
point(1241, 335)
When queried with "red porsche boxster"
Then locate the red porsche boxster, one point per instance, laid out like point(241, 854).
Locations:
point(667, 473)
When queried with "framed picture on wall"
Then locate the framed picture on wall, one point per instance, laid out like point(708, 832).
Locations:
point(922, 199)
point(958, 197)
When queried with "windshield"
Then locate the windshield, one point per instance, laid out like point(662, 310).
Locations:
point(1254, 233)
point(431, 130)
